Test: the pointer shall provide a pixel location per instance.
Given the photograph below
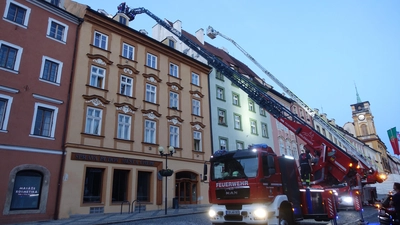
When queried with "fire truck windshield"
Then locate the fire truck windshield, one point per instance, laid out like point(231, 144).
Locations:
point(227, 167)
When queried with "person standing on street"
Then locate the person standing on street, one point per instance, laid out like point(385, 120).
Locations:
point(305, 166)
point(396, 199)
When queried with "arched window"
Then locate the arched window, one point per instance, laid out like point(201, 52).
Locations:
point(27, 189)
point(364, 130)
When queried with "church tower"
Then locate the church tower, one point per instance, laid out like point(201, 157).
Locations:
point(365, 129)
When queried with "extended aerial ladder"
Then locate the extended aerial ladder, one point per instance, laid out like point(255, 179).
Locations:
point(335, 165)
point(366, 170)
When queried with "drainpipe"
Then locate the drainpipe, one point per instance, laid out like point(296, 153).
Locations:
point(209, 108)
point(64, 152)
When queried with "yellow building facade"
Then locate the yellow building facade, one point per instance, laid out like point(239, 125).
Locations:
point(131, 97)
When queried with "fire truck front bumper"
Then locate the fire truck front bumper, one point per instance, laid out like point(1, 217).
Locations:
point(249, 214)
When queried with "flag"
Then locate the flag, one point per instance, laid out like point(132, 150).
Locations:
point(394, 141)
point(398, 135)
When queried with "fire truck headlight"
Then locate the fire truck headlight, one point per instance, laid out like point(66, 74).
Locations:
point(260, 213)
point(347, 199)
point(212, 213)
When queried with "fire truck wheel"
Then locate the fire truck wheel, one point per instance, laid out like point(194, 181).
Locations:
point(286, 215)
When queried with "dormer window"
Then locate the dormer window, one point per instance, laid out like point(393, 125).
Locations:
point(171, 43)
point(55, 2)
point(122, 20)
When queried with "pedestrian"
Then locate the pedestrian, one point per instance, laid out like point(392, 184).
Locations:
point(305, 166)
point(396, 199)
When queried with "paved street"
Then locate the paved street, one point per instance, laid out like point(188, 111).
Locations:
point(191, 215)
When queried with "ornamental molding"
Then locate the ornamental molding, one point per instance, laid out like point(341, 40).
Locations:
point(125, 107)
point(197, 125)
point(151, 114)
point(128, 69)
point(96, 100)
point(100, 59)
point(175, 86)
point(175, 120)
point(197, 94)
point(152, 78)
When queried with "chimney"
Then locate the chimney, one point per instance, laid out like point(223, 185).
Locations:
point(178, 25)
point(200, 35)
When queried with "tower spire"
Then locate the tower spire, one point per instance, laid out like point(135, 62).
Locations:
point(358, 96)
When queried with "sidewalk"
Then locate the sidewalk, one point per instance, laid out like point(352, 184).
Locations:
point(115, 218)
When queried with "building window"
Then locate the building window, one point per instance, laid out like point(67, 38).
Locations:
point(150, 131)
point(10, 56)
point(126, 86)
point(195, 79)
point(143, 186)
point(223, 143)
point(324, 132)
point(5, 107)
point(100, 40)
point(97, 76)
point(264, 130)
point(173, 100)
point(57, 30)
point(221, 117)
point(235, 99)
point(151, 93)
point(174, 136)
point(128, 50)
point(27, 190)
point(253, 126)
point(173, 70)
point(51, 70)
point(17, 13)
point(120, 185)
point(124, 126)
point(151, 61)
point(220, 93)
point(122, 20)
point(219, 75)
point(55, 2)
point(171, 43)
point(44, 122)
point(239, 145)
point(93, 185)
point(93, 121)
point(318, 129)
point(197, 141)
point(263, 112)
point(364, 130)
point(196, 107)
point(252, 108)
point(281, 146)
point(237, 121)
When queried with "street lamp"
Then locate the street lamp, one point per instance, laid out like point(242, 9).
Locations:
point(170, 152)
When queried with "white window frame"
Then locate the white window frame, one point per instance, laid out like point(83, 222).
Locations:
point(101, 35)
point(53, 119)
point(251, 106)
point(174, 136)
point(196, 107)
point(151, 93)
point(239, 145)
point(128, 86)
point(128, 49)
point(17, 59)
point(27, 14)
point(237, 121)
point(221, 115)
point(235, 99)
point(220, 93)
point(197, 138)
point(195, 79)
point(97, 75)
point(6, 112)
point(173, 70)
point(90, 130)
point(151, 60)
point(124, 126)
point(223, 143)
point(253, 127)
point(65, 33)
point(59, 70)
point(264, 130)
point(150, 131)
point(173, 100)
